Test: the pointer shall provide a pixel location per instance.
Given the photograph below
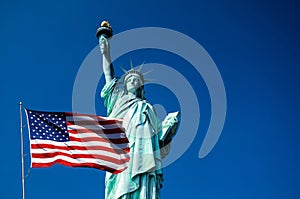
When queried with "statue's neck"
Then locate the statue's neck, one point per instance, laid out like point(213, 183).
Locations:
point(137, 93)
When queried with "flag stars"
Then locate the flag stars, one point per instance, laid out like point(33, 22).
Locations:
point(47, 126)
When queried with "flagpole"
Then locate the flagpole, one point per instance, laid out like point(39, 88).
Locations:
point(22, 152)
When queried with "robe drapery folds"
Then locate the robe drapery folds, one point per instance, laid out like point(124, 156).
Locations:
point(143, 177)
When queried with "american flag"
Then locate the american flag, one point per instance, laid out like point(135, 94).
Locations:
point(77, 140)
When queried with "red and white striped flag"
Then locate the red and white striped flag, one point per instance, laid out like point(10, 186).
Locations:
point(77, 140)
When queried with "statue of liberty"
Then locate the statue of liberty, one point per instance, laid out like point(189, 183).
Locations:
point(144, 175)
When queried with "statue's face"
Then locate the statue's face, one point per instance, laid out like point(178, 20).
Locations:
point(132, 83)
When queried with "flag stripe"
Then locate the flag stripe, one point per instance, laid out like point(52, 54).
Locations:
point(83, 152)
point(98, 139)
point(92, 122)
point(83, 144)
point(84, 117)
point(87, 149)
point(85, 164)
point(92, 134)
point(78, 161)
point(78, 156)
point(98, 131)
point(93, 126)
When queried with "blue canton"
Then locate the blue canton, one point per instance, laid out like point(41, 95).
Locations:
point(48, 126)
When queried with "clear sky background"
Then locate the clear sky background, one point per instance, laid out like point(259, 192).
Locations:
point(255, 45)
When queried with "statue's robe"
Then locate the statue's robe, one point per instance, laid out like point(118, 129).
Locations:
point(143, 177)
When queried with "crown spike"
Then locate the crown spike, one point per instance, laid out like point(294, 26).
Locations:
point(131, 64)
point(141, 66)
point(123, 69)
point(146, 73)
point(149, 80)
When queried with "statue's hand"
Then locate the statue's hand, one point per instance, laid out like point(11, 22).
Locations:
point(104, 45)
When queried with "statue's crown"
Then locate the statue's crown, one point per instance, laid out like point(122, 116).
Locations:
point(133, 72)
point(138, 73)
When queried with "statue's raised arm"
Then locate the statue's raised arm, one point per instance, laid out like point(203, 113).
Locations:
point(104, 33)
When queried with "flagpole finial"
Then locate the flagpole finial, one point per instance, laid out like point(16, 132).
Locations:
point(20, 103)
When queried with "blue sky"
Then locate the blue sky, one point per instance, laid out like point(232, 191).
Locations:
point(253, 43)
